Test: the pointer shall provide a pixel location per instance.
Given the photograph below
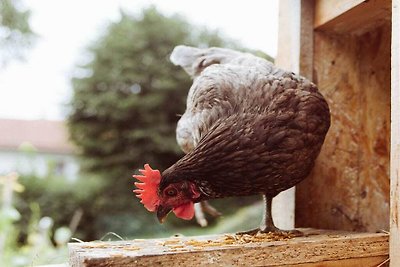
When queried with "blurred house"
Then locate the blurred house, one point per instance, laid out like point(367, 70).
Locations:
point(38, 147)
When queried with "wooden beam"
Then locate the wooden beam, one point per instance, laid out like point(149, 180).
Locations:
point(306, 63)
point(295, 53)
point(288, 55)
point(395, 140)
point(318, 248)
point(351, 16)
point(287, 58)
point(296, 37)
point(327, 10)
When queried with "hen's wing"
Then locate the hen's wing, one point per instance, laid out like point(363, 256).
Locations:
point(223, 79)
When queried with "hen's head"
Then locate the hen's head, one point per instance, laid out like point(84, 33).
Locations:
point(164, 197)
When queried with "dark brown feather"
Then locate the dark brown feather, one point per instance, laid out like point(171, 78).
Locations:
point(249, 129)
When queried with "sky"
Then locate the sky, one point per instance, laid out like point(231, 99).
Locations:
point(39, 87)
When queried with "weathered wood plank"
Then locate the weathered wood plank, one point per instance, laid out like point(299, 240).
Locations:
point(327, 10)
point(288, 44)
point(351, 16)
point(295, 36)
point(306, 63)
point(395, 140)
point(295, 50)
point(349, 186)
point(319, 248)
point(288, 55)
point(379, 261)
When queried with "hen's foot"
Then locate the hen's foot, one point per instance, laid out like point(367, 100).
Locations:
point(204, 207)
point(273, 230)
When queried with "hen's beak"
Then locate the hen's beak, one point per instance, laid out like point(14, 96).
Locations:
point(162, 213)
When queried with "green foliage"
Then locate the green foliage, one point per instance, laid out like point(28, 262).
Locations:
point(7, 231)
point(38, 248)
point(54, 197)
point(7, 217)
point(15, 32)
point(15, 225)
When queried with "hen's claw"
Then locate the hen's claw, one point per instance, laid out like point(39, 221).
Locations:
point(200, 209)
point(267, 224)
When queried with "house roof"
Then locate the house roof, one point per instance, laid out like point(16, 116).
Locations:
point(46, 136)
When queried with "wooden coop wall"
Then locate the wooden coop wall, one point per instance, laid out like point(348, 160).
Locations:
point(349, 186)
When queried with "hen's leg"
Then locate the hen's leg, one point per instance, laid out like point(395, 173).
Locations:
point(200, 209)
point(267, 223)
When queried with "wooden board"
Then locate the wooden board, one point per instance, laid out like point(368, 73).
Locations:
point(395, 140)
point(319, 248)
point(288, 55)
point(295, 47)
point(349, 186)
point(328, 10)
point(288, 44)
point(351, 16)
point(295, 36)
point(307, 39)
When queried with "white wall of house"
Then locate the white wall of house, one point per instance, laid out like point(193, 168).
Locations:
point(39, 163)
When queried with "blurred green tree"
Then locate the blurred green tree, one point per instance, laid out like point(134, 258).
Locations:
point(16, 34)
point(125, 108)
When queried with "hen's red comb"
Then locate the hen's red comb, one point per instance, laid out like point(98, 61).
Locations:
point(147, 191)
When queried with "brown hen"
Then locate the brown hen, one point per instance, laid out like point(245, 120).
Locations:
point(249, 128)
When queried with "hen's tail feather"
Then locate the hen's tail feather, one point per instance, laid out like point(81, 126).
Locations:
point(194, 60)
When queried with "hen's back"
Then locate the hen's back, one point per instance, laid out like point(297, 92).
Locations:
point(226, 82)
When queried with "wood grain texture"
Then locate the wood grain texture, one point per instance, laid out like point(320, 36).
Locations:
point(327, 10)
point(349, 186)
point(306, 60)
point(320, 248)
point(351, 16)
point(395, 140)
point(379, 261)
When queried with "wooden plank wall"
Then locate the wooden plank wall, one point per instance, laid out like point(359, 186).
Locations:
point(349, 187)
point(395, 140)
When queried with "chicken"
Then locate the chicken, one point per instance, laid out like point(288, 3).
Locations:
point(249, 128)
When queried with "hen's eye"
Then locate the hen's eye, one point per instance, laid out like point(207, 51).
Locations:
point(171, 192)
